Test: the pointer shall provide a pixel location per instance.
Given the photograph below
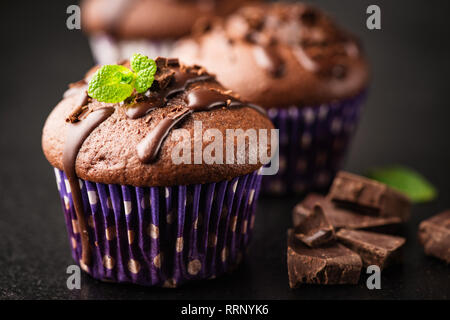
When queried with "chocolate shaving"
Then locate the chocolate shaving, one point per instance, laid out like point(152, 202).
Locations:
point(173, 62)
point(80, 108)
point(163, 78)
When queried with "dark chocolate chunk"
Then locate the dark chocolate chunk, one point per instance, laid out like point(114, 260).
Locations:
point(343, 218)
point(332, 264)
point(373, 248)
point(164, 77)
point(434, 235)
point(173, 62)
point(370, 196)
point(312, 227)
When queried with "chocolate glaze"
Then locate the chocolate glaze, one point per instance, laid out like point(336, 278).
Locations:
point(200, 99)
point(149, 147)
point(83, 99)
point(204, 99)
point(76, 135)
point(184, 80)
point(170, 83)
point(181, 82)
point(139, 109)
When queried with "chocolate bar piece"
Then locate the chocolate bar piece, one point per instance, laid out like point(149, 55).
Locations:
point(312, 227)
point(331, 264)
point(341, 217)
point(369, 196)
point(434, 235)
point(373, 248)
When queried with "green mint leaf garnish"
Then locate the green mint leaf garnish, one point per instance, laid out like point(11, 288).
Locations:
point(115, 83)
point(407, 181)
point(145, 69)
point(111, 83)
point(140, 62)
point(144, 80)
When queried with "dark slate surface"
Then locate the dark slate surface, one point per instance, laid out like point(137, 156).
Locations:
point(404, 122)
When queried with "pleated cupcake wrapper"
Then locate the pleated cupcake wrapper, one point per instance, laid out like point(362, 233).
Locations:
point(107, 49)
point(313, 143)
point(163, 236)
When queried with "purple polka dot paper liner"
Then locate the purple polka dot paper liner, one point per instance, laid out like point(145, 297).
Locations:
point(163, 236)
point(313, 143)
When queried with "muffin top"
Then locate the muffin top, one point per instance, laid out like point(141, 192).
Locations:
point(152, 19)
point(132, 142)
point(279, 55)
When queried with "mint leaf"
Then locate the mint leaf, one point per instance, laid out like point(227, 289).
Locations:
point(115, 83)
point(140, 62)
point(407, 181)
point(146, 69)
point(111, 83)
point(144, 80)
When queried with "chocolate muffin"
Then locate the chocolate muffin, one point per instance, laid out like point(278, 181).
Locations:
point(310, 75)
point(133, 213)
point(118, 28)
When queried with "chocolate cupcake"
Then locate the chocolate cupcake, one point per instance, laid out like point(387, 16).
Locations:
point(118, 28)
point(308, 73)
point(133, 213)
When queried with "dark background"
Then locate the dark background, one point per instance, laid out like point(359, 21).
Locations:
point(404, 122)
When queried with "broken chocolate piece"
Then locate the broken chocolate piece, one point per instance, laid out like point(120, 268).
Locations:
point(312, 227)
point(434, 235)
point(343, 218)
point(373, 248)
point(370, 196)
point(332, 264)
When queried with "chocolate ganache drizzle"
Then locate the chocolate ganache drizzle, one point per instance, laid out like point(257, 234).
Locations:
point(172, 81)
point(197, 99)
point(77, 133)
